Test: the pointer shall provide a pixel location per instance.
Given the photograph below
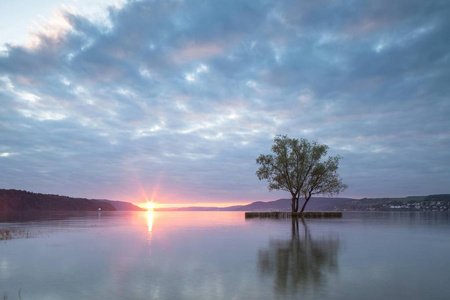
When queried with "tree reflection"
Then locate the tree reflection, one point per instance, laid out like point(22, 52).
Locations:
point(301, 263)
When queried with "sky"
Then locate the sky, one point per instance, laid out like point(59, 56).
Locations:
point(174, 100)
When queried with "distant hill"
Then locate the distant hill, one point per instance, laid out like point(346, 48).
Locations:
point(442, 197)
point(16, 200)
point(416, 203)
point(315, 204)
point(122, 205)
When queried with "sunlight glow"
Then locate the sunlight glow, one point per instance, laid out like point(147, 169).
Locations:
point(150, 205)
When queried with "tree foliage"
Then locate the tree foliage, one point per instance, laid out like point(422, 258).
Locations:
point(300, 167)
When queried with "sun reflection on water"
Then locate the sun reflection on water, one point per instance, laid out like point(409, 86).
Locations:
point(150, 220)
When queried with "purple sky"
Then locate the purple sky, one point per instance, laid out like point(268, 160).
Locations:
point(176, 99)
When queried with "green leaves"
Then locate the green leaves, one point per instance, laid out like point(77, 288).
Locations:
point(297, 166)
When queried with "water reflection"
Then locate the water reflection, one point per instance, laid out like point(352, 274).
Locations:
point(150, 220)
point(301, 263)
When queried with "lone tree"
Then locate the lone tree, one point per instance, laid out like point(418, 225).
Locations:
point(300, 167)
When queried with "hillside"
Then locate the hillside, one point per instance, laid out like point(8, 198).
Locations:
point(121, 205)
point(15, 200)
point(412, 203)
point(315, 204)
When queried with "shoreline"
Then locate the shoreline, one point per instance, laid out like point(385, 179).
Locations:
point(282, 214)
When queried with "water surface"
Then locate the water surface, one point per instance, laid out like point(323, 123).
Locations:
point(221, 255)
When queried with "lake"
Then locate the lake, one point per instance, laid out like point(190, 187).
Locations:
point(221, 255)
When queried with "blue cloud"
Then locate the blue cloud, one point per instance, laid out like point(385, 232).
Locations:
point(184, 95)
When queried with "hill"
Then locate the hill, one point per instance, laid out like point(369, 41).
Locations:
point(122, 205)
point(412, 203)
point(315, 204)
point(16, 200)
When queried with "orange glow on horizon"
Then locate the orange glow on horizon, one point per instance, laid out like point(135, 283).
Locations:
point(146, 198)
point(150, 205)
point(162, 205)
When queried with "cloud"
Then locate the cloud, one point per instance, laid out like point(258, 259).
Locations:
point(184, 95)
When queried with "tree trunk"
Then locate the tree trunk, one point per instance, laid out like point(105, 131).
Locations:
point(294, 204)
point(304, 204)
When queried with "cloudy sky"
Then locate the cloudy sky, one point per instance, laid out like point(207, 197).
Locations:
point(175, 99)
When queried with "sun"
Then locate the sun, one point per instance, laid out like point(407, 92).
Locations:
point(150, 205)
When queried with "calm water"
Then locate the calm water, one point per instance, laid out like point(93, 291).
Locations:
point(220, 255)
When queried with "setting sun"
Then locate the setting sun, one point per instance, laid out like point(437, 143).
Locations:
point(150, 205)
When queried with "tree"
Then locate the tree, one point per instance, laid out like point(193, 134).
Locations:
point(299, 265)
point(300, 167)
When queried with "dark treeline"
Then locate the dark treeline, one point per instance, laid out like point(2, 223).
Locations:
point(16, 200)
